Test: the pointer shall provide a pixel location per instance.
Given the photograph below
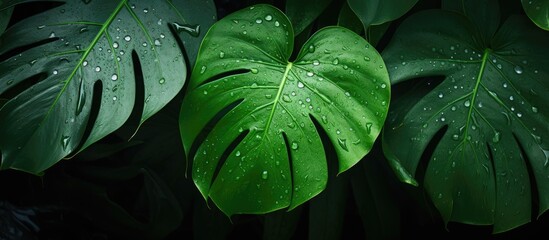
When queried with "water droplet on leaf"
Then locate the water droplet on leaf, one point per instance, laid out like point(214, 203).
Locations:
point(518, 69)
point(193, 30)
point(342, 143)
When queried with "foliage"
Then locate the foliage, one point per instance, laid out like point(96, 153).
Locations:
point(279, 143)
point(486, 113)
point(270, 103)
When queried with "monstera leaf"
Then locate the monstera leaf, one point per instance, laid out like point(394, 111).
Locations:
point(263, 114)
point(538, 11)
point(78, 69)
point(483, 129)
point(375, 12)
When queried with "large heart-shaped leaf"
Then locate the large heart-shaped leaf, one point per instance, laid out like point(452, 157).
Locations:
point(375, 12)
point(537, 11)
point(489, 112)
point(264, 151)
point(77, 58)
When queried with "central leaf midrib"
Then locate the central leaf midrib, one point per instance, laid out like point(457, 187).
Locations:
point(475, 91)
point(85, 55)
point(277, 98)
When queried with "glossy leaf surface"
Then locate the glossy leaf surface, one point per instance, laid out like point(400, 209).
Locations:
point(244, 76)
point(538, 12)
point(65, 62)
point(482, 128)
point(375, 12)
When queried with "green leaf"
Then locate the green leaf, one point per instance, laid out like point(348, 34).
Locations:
point(484, 14)
point(348, 19)
point(200, 14)
point(483, 128)
point(243, 74)
point(538, 12)
point(5, 16)
point(81, 52)
point(375, 12)
point(303, 12)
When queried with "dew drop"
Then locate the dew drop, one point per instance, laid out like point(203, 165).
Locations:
point(65, 142)
point(221, 54)
point(162, 81)
point(440, 95)
point(286, 98)
point(342, 143)
point(455, 137)
point(115, 45)
point(114, 77)
point(310, 74)
point(496, 137)
point(383, 85)
point(335, 61)
point(277, 24)
point(316, 62)
point(55, 72)
point(264, 175)
point(114, 98)
point(127, 38)
point(157, 42)
point(311, 48)
point(97, 69)
point(254, 70)
point(295, 146)
point(324, 119)
point(369, 127)
point(300, 85)
point(467, 103)
point(518, 69)
point(259, 20)
point(203, 69)
point(193, 30)
point(237, 153)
